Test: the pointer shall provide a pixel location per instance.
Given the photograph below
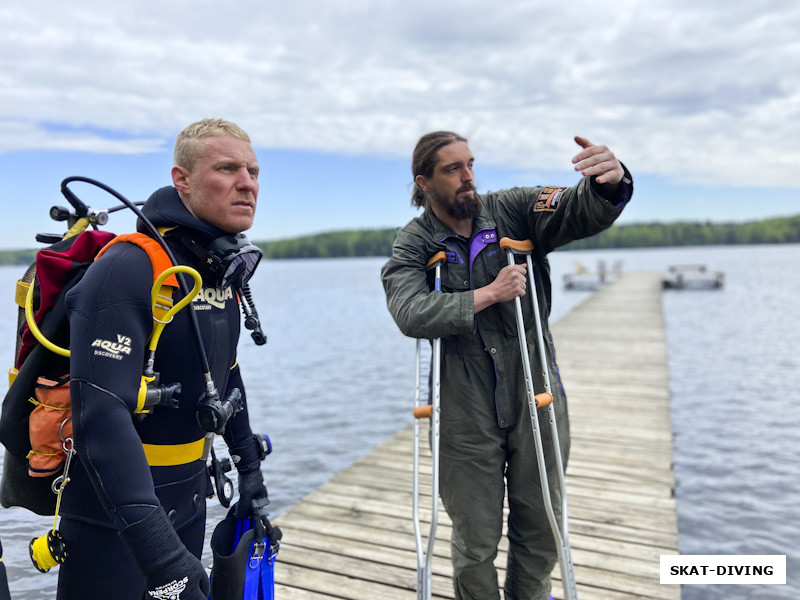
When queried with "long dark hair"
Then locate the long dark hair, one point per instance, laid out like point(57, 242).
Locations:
point(425, 157)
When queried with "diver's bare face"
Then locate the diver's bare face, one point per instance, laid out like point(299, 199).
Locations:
point(222, 188)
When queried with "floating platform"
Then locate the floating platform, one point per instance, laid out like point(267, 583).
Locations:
point(353, 538)
point(697, 277)
point(584, 280)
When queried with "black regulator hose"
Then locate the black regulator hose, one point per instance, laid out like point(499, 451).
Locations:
point(212, 394)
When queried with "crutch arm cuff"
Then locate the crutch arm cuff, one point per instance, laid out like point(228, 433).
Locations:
point(438, 257)
point(521, 246)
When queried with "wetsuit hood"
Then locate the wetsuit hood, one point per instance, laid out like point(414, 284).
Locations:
point(226, 258)
point(165, 208)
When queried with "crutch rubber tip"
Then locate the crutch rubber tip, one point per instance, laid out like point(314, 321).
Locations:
point(543, 399)
point(423, 412)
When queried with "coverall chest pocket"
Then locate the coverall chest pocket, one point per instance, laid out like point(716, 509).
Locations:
point(456, 280)
point(455, 277)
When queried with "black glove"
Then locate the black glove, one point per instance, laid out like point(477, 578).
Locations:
point(251, 488)
point(252, 504)
point(170, 569)
point(253, 497)
point(247, 456)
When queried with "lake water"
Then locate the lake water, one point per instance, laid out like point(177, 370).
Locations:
point(336, 379)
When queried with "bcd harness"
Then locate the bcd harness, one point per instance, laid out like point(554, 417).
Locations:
point(50, 421)
point(50, 435)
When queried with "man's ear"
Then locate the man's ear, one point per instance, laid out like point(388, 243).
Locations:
point(421, 182)
point(180, 179)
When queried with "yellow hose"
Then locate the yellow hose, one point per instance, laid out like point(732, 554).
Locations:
point(159, 327)
point(35, 328)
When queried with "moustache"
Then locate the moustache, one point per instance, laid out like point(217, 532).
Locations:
point(467, 187)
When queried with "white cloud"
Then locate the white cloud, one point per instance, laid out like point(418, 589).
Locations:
point(699, 91)
point(19, 135)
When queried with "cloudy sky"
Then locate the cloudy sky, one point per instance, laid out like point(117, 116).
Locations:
point(701, 100)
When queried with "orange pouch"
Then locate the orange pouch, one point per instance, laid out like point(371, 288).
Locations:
point(50, 423)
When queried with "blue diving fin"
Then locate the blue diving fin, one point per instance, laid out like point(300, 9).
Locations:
point(244, 560)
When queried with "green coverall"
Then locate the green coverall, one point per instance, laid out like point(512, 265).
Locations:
point(486, 434)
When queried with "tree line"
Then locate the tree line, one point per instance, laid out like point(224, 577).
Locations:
point(782, 230)
point(378, 242)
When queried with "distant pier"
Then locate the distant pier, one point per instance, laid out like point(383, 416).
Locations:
point(353, 537)
point(692, 277)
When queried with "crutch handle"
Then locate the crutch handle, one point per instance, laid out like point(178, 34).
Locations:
point(521, 246)
point(543, 399)
point(423, 412)
point(439, 256)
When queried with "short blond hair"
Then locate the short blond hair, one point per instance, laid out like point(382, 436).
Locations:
point(187, 144)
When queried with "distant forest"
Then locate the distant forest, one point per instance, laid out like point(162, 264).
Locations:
point(378, 242)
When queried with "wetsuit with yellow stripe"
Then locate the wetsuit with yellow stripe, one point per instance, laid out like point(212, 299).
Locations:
point(127, 465)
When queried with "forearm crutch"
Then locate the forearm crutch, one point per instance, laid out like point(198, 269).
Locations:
point(424, 410)
point(560, 530)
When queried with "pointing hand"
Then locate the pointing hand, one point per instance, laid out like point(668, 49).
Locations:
point(598, 161)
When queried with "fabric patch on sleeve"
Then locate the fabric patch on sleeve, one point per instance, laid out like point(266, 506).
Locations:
point(548, 199)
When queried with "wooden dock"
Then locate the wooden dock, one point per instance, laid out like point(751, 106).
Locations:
point(353, 537)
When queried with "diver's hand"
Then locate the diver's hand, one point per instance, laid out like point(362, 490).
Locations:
point(252, 504)
point(253, 499)
point(247, 456)
point(190, 582)
point(170, 569)
point(251, 487)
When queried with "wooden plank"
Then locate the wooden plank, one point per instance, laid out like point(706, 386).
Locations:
point(353, 537)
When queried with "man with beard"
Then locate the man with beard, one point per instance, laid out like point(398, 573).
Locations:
point(487, 445)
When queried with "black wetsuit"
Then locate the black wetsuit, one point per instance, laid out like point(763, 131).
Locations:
point(112, 483)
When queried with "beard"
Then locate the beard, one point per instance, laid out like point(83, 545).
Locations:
point(459, 208)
